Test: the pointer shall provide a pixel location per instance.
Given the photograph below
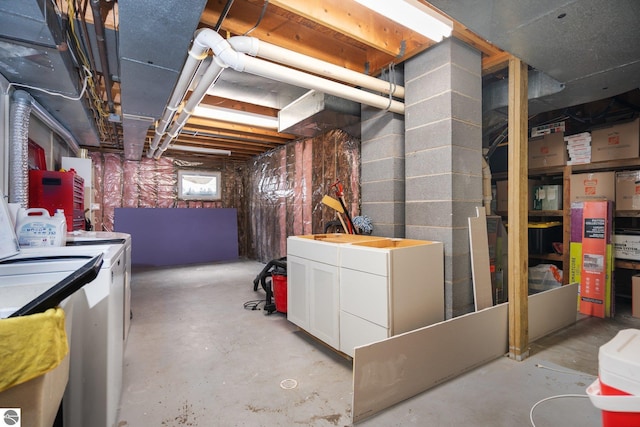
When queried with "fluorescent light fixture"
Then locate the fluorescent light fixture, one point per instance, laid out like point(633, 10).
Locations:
point(202, 150)
point(413, 15)
point(235, 116)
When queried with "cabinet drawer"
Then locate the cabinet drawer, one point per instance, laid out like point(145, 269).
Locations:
point(319, 251)
point(365, 295)
point(355, 332)
point(371, 260)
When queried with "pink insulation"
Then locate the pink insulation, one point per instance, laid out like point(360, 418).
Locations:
point(276, 194)
point(112, 196)
point(98, 166)
point(130, 185)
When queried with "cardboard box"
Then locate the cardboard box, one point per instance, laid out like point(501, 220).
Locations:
point(593, 186)
point(619, 141)
point(548, 150)
point(627, 190)
point(502, 194)
point(547, 197)
point(627, 246)
point(635, 296)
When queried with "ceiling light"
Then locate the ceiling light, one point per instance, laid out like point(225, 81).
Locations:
point(413, 15)
point(203, 150)
point(235, 116)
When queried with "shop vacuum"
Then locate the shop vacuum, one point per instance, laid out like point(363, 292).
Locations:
point(276, 288)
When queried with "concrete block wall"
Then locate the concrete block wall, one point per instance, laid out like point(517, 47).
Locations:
point(382, 171)
point(443, 158)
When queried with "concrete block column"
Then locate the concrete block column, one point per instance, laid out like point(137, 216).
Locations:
point(382, 170)
point(443, 157)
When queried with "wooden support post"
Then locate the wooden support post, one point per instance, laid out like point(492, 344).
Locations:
point(518, 232)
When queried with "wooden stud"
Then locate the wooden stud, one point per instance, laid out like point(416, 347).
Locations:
point(518, 241)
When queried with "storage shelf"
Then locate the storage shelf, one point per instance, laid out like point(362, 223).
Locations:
point(550, 257)
point(546, 213)
point(627, 264)
point(628, 214)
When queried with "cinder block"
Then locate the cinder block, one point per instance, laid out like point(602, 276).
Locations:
point(391, 145)
point(436, 160)
point(428, 111)
point(465, 134)
point(466, 109)
point(429, 84)
point(466, 57)
point(430, 135)
point(466, 161)
point(385, 213)
point(380, 124)
point(429, 213)
point(464, 82)
point(432, 58)
point(381, 170)
point(382, 191)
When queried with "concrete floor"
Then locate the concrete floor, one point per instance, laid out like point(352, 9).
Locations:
point(197, 357)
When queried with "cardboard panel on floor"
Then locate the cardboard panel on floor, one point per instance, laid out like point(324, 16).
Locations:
point(390, 371)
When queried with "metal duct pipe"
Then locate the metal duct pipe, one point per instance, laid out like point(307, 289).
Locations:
point(46, 118)
point(255, 47)
point(19, 148)
point(225, 56)
point(98, 25)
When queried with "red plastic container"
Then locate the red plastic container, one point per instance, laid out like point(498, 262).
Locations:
point(617, 391)
point(280, 292)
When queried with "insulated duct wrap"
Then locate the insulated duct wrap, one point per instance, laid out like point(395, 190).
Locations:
point(19, 149)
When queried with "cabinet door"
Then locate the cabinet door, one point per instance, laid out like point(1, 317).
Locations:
point(324, 302)
point(297, 291)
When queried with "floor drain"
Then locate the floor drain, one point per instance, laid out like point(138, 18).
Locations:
point(288, 384)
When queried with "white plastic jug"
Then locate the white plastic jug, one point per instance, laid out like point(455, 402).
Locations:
point(36, 228)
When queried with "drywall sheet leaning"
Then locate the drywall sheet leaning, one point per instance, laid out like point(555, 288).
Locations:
point(480, 265)
point(390, 371)
point(552, 310)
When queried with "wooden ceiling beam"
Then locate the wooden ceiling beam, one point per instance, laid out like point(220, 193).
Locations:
point(359, 23)
point(281, 31)
point(217, 124)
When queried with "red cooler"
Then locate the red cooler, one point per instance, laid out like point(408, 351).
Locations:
point(617, 390)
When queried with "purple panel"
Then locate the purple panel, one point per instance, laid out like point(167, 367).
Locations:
point(177, 236)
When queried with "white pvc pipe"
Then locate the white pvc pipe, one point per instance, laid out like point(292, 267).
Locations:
point(255, 47)
point(298, 78)
point(226, 56)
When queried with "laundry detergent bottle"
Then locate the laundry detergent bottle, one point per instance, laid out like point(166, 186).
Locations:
point(36, 228)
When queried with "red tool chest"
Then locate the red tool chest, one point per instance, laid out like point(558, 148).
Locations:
point(54, 190)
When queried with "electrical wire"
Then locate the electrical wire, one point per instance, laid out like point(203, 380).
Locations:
point(253, 305)
point(49, 92)
point(546, 399)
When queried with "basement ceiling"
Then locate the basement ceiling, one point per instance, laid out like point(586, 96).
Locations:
point(587, 46)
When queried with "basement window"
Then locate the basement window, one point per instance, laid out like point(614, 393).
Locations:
point(199, 185)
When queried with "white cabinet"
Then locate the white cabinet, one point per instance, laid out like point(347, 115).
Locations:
point(312, 298)
point(312, 283)
point(388, 287)
point(352, 290)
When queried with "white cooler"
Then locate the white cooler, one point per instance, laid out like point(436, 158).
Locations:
point(617, 390)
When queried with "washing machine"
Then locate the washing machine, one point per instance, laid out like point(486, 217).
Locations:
point(96, 342)
point(90, 238)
